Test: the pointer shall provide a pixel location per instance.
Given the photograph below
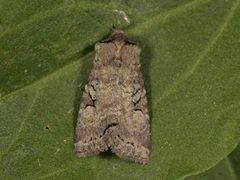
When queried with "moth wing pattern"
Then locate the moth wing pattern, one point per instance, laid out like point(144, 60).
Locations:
point(114, 112)
point(132, 138)
point(87, 140)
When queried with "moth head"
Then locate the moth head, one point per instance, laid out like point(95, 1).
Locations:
point(118, 38)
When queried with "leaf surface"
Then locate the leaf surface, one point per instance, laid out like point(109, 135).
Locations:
point(191, 65)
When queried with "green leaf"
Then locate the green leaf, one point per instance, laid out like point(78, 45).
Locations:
point(228, 168)
point(191, 64)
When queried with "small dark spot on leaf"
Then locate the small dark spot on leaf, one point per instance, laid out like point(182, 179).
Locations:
point(47, 127)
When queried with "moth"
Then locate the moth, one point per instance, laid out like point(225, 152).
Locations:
point(113, 112)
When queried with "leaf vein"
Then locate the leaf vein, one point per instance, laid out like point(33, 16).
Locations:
point(209, 47)
point(16, 137)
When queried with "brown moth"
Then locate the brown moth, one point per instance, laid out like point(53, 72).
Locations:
point(113, 112)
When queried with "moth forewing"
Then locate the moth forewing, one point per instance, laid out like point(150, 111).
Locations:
point(113, 112)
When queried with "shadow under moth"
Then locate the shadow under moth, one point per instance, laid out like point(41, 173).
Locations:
point(113, 112)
